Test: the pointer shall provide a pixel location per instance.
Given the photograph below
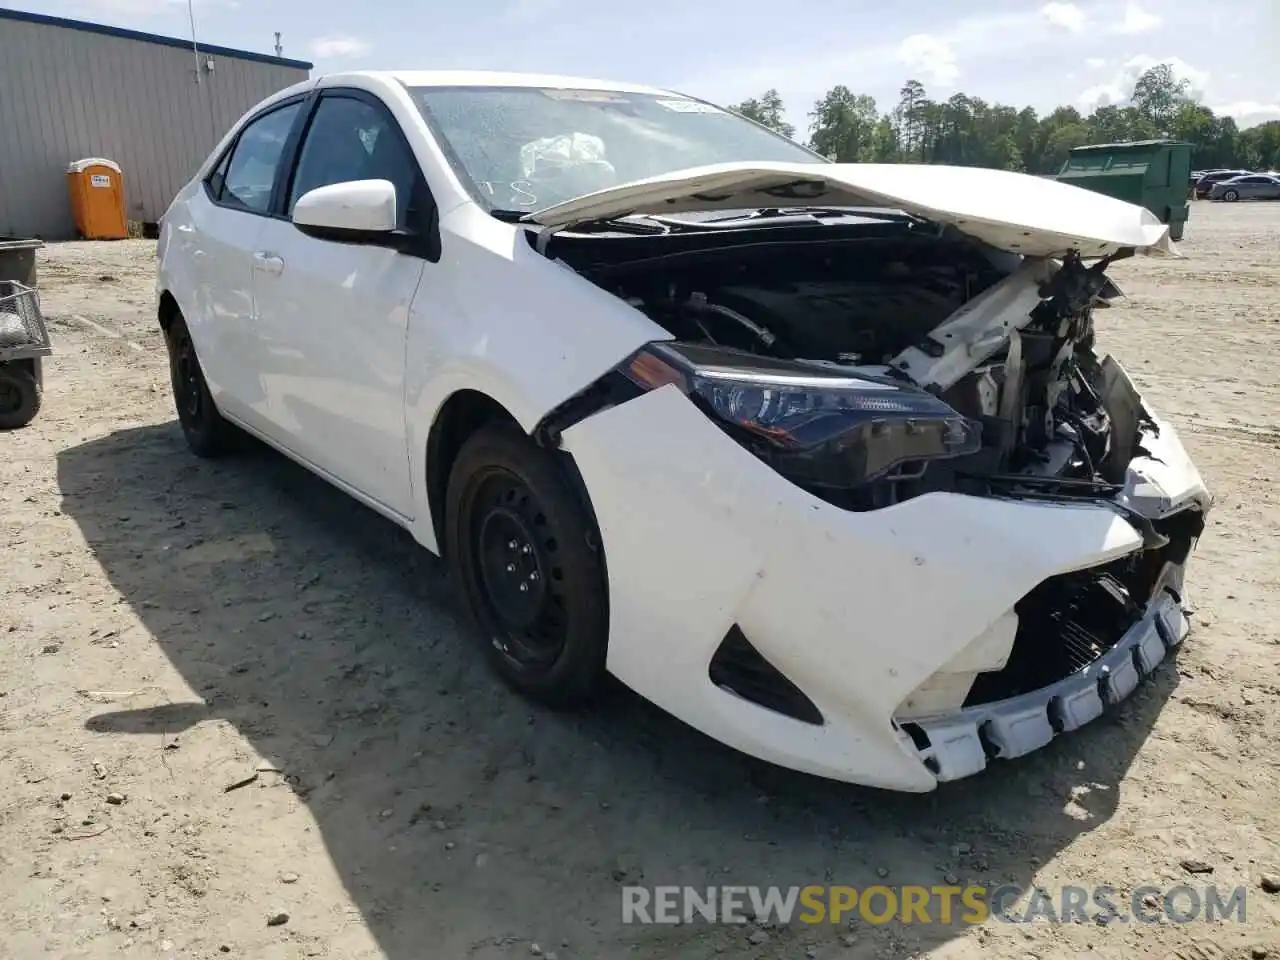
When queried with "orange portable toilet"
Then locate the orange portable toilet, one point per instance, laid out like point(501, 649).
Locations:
point(97, 199)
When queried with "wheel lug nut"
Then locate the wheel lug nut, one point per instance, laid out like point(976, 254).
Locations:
point(511, 545)
point(525, 549)
point(524, 588)
point(533, 575)
point(511, 568)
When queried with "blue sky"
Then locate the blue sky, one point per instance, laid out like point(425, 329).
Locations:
point(1021, 52)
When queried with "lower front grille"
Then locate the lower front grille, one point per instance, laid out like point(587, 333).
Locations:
point(1064, 625)
point(1069, 621)
point(740, 668)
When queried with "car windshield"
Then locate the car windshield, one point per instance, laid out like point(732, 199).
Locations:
point(525, 148)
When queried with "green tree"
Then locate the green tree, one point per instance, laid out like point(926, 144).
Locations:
point(1259, 147)
point(907, 117)
point(1024, 135)
point(884, 142)
point(1112, 124)
point(768, 110)
point(1005, 155)
point(1158, 96)
point(842, 125)
point(1056, 135)
point(968, 131)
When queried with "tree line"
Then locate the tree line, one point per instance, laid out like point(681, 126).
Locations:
point(968, 131)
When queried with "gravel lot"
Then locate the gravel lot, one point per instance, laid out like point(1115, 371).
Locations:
point(175, 628)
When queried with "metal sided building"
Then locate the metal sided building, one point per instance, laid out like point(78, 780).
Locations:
point(155, 105)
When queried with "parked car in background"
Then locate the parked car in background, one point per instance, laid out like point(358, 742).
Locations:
point(1252, 186)
point(818, 457)
point(1206, 182)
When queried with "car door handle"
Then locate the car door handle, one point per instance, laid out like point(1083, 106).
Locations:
point(268, 262)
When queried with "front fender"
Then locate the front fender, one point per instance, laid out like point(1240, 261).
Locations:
point(497, 317)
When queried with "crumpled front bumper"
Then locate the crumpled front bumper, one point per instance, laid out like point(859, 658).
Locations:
point(956, 745)
point(857, 610)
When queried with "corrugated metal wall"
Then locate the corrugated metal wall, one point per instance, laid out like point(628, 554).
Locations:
point(66, 94)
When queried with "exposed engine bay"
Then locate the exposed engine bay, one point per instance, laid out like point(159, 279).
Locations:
point(1003, 340)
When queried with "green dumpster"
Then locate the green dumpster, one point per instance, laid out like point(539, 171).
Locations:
point(1151, 173)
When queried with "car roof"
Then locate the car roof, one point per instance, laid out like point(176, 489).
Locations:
point(491, 78)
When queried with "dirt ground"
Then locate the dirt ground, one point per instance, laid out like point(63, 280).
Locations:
point(174, 628)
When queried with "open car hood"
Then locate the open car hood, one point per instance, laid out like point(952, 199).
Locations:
point(1016, 212)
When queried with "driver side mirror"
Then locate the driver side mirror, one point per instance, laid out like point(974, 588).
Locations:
point(355, 211)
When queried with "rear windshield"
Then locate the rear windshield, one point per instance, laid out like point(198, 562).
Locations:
point(524, 148)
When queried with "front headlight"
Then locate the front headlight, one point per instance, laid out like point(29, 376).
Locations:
point(817, 428)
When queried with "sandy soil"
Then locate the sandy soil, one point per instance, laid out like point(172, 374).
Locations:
point(174, 628)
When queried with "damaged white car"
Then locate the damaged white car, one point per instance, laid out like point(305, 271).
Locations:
point(820, 458)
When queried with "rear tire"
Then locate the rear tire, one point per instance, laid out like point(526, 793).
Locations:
point(206, 432)
point(20, 397)
point(525, 557)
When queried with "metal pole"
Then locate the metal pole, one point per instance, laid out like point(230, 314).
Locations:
point(195, 47)
point(195, 53)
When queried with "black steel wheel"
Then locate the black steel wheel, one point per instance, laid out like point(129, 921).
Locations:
point(206, 432)
point(526, 559)
point(20, 397)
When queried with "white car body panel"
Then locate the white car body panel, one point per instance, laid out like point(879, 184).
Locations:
point(332, 322)
point(858, 610)
point(1010, 211)
point(529, 342)
point(343, 357)
point(210, 257)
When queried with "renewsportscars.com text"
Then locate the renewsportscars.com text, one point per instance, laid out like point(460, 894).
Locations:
point(968, 905)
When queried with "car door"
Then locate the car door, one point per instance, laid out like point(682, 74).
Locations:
point(224, 221)
point(332, 316)
point(1246, 187)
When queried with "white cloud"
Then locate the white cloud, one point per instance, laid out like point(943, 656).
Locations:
point(1249, 113)
point(1118, 90)
point(1010, 54)
point(932, 60)
point(1137, 20)
point(338, 48)
point(1101, 95)
point(1065, 15)
point(803, 77)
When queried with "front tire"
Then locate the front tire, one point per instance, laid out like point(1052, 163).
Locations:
point(206, 432)
point(525, 556)
point(1231, 196)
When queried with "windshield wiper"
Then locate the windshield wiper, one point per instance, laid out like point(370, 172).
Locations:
point(818, 213)
point(628, 223)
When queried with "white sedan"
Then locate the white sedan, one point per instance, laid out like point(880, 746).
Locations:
point(817, 457)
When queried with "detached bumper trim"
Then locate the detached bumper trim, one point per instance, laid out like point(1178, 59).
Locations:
point(961, 744)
